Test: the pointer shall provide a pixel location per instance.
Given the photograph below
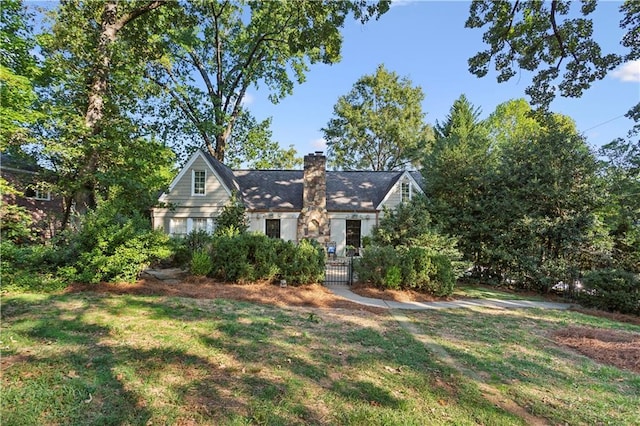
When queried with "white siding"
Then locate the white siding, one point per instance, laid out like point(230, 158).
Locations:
point(288, 223)
point(339, 227)
point(180, 192)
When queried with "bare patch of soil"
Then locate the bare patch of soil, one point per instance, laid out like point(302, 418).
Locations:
point(618, 348)
point(313, 296)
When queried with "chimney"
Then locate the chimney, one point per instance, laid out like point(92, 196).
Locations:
point(313, 222)
point(315, 181)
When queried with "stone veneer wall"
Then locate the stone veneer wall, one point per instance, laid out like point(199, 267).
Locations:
point(313, 222)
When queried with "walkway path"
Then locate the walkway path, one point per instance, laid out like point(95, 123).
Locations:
point(344, 291)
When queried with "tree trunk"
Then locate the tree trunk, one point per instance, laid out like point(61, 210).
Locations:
point(85, 197)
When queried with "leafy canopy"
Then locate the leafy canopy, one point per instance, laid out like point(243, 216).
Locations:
point(378, 125)
point(552, 38)
point(215, 51)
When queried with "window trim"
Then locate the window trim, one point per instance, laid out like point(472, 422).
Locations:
point(409, 191)
point(39, 195)
point(193, 183)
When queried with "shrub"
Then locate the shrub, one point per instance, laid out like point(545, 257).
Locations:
point(415, 267)
point(304, 265)
point(200, 263)
point(114, 244)
point(198, 240)
point(443, 280)
point(611, 290)
point(23, 269)
point(393, 277)
point(372, 266)
point(249, 257)
point(15, 223)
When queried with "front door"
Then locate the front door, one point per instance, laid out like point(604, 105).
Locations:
point(353, 233)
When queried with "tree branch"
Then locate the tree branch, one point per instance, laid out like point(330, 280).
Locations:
point(184, 106)
point(125, 19)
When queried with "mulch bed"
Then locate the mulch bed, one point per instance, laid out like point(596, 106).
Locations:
point(617, 348)
point(314, 296)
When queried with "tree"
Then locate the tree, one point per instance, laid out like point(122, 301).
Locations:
point(546, 196)
point(17, 69)
point(91, 66)
point(215, 51)
point(512, 122)
point(456, 173)
point(378, 125)
point(535, 35)
point(621, 173)
point(251, 146)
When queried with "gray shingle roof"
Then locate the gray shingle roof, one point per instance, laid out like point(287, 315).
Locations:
point(271, 189)
point(281, 190)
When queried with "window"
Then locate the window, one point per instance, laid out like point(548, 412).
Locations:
point(272, 228)
point(178, 226)
point(406, 191)
point(38, 194)
point(199, 179)
point(202, 224)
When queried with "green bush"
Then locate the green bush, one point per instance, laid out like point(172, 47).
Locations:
point(304, 265)
point(443, 280)
point(15, 225)
point(200, 263)
point(611, 290)
point(393, 277)
point(407, 268)
point(198, 240)
point(248, 257)
point(372, 266)
point(24, 269)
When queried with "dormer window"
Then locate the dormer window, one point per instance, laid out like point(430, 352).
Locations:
point(199, 179)
point(406, 192)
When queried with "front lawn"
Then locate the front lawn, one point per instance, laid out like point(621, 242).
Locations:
point(92, 358)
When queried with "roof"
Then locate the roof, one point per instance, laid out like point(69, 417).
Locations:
point(282, 190)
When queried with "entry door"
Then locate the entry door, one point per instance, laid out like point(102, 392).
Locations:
point(353, 233)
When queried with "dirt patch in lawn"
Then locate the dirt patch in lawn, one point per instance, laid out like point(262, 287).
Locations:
point(618, 348)
point(314, 295)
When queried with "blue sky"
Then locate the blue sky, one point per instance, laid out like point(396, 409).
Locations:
point(426, 41)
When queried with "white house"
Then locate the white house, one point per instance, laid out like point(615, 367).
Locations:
point(328, 206)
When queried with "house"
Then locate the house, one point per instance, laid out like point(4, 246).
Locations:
point(336, 208)
point(32, 183)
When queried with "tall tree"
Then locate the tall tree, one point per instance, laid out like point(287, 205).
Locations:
point(545, 200)
point(550, 38)
point(378, 125)
point(251, 146)
point(456, 173)
point(621, 173)
point(90, 68)
point(17, 70)
point(217, 50)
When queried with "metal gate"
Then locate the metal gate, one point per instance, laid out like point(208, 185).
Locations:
point(339, 271)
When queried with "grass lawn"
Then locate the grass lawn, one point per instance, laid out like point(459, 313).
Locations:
point(104, 359)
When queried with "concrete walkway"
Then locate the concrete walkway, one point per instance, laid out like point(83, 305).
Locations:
point(344, 291)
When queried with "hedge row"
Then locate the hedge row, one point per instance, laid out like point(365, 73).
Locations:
point(415, 268)
point(248, 257)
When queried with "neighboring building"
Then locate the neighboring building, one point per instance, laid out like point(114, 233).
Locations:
point(327, 206)
point(31, 181)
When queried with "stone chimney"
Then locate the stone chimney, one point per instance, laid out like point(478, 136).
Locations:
point(313, 222)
